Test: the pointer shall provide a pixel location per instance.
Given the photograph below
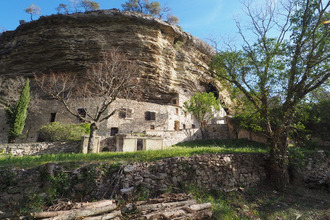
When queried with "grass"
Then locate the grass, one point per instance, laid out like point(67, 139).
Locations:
point(186, 149)
point(263, 202)
point(238, 144)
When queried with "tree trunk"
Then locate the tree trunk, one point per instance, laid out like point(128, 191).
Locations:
point(278, 163)
point(83, 206)
point(203, 130)
point(91, 140)
point(77, 214)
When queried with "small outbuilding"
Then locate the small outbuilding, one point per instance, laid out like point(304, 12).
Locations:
point(132, 143)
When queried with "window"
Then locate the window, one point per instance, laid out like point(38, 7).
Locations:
point(52, 117)
point(152, 127)
point(176, 125)
point(150, 116)
point(176, 111)
point(125, 113)
point(122, 113)
point(114, 131)
point(82, 113)
point(184, 126)
point(193, 126)
point(175, 101)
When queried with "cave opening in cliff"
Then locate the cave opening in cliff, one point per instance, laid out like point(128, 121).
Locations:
point(212, 88)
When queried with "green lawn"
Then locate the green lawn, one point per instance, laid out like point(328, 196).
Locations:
point(184, 149)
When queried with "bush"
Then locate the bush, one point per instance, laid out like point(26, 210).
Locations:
point(56, 131)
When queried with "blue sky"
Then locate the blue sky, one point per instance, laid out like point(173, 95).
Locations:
point(202, 18)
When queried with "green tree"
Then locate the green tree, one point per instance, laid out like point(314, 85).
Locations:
point(172, 19)
point(202, 106)
point(89, 5)
point(314, 122)
point(153, 8)
point(17, 115)
point(33, 10)
point(275, 73)
point(134, 5)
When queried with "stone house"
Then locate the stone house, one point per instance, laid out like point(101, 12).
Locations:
point(169, 121)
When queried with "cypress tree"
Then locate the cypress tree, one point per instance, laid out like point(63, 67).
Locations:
point(17, 114)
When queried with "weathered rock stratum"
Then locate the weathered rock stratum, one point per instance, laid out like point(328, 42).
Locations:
point(171, 61)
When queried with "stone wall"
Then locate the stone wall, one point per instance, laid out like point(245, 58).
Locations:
point(173, 137)
point(209, 171)
point(101, 180)
point(218, 171)
point(3, 126)
point(24, 149)
point(214, 131)
point(316, 164)
point(236, 132)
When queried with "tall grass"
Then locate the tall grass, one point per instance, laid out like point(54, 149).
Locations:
point(185, 149)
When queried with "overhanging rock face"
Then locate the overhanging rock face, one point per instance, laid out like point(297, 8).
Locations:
point(171, 61)
point(173, 66)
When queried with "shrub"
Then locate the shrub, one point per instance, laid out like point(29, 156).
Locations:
point(56, 131)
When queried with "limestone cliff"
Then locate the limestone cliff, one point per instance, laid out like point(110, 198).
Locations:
point(171, 61)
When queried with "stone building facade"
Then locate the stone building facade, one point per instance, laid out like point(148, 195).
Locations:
point(169, 121)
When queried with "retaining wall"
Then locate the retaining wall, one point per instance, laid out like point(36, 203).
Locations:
point(39, 148)
point(104, 180)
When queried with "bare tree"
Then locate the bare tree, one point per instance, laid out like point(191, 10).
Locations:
point(62, 7)
point(164, 11)
point(74, 4)
point(113, 77)
point(2, 29)
point(33, 10)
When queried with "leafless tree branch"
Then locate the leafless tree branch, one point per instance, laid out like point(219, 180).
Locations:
point(113, 77)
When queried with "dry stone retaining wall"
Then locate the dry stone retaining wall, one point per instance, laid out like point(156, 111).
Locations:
point(96, 181)
point(24, 149)
point(210, 171)
point(104, 180)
